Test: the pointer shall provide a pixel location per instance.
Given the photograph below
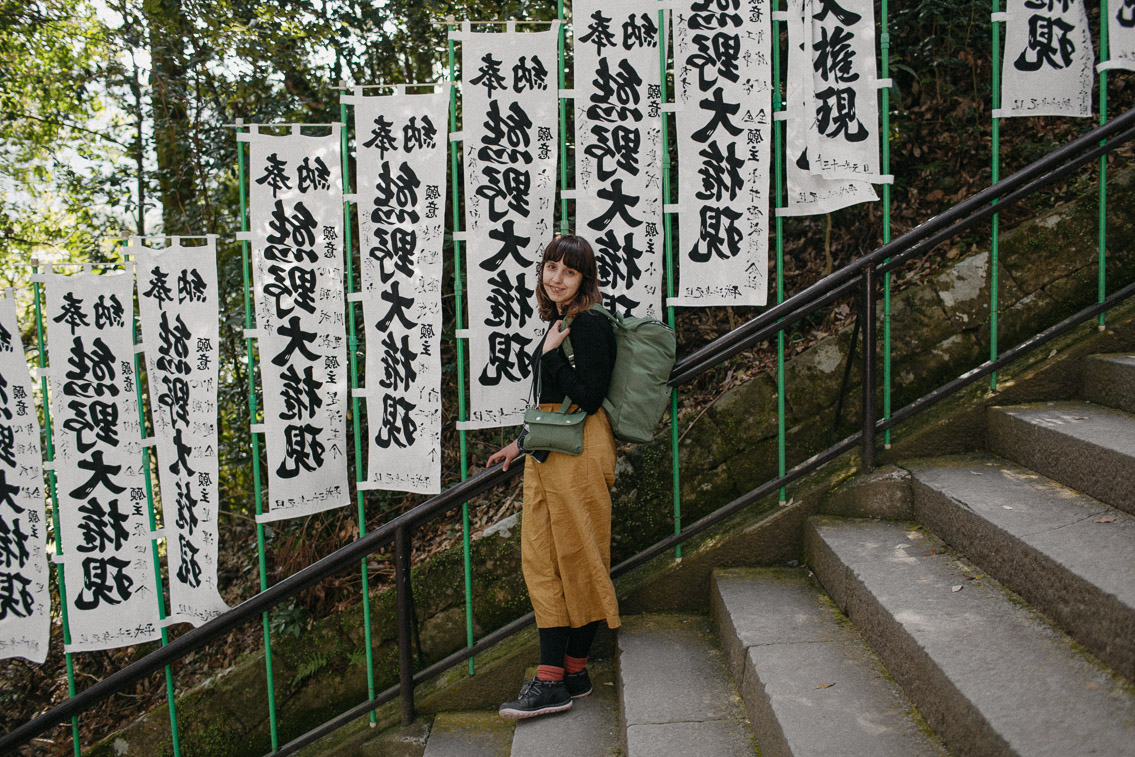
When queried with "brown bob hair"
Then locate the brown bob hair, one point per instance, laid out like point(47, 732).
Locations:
point(574, 252)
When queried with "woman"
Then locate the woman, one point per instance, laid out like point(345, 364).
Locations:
point(565, 537)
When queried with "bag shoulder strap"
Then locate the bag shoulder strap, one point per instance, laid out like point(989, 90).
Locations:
point(539, 371)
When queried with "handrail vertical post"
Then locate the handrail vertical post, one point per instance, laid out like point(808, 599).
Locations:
point(995, 223)
point(353, 362)
point(459, 341)
point(171, 700)
point(885, 54)
point(253, 415)
point(868, 318)
point(52, 487)
point(402, 588)
point(780, 201)
point(668, 253)
point(1101, 273)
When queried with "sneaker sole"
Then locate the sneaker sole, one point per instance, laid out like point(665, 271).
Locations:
point(522, 714)
point(582, 694)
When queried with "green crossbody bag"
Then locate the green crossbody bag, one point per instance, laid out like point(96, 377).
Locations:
point(553, 430)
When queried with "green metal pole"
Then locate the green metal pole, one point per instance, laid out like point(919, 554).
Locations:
point(146, 462)
point(564, 226)
point(1105, 54)
point(779, 202)
point(996, 161)
point(352, 351)
point(455, 165)
point(253, 413)
point(669, 251)
point(49, 452)
point(885, 51)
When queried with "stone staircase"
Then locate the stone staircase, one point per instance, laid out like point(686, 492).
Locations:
point(997, 618)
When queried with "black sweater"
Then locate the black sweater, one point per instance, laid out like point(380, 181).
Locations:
point(593, 346)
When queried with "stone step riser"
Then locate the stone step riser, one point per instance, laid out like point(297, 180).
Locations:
point(811, 686)
point(986, 673)
point(1046, 566)
point(469, 734)
point(945, 708)
point(1110, 380)
point(1086, 447)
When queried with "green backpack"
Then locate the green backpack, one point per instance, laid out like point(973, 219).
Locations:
point(638, 394)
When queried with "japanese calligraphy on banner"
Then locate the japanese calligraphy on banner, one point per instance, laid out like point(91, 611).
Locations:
point(843, 135)
point(25, 603)
point(723, 93)
point(809, 193)
point(618, 136)
point(401, 157)
point(1047, 67)
point(180, 307)
point(509, 100)
point(296, 218)
point(107, 555)
point(1121, 36)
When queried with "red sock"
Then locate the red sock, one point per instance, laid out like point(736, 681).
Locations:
point(574, 664)
point(549, 673)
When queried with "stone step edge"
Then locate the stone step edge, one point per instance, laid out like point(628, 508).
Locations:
point(1029, 444)
point(967, 731)
point(1032, 573)
point(832, 629)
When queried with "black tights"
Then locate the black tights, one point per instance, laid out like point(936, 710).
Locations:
point(562, 640)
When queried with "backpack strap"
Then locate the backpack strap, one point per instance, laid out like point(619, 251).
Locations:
point(566, 344)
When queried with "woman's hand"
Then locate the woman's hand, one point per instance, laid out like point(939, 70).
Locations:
point(555, 338)
point(507, 454)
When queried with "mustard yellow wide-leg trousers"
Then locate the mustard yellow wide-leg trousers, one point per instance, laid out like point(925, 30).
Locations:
point(565, 533)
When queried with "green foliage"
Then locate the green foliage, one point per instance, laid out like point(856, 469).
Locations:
point(58, 141)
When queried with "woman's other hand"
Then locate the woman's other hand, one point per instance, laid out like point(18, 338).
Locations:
point(507, 454)
point(555, 338)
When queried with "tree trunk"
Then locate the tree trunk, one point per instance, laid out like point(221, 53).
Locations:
point(169, 30)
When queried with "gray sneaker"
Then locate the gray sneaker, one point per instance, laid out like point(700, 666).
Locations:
point(537, 698)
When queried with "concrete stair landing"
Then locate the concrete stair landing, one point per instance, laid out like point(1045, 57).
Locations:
point(590, 727)
point(676, 693)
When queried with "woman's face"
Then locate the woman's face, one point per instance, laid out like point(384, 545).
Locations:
point(561, 282)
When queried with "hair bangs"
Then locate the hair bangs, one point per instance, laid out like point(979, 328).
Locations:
point(574, 252)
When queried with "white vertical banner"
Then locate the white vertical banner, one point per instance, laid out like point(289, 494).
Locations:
point(1047, 66)
point(1120, 36)
point(296, 221)
point(618, 149)
point(510, 107)
point(401, 152)
point(25, 602)
point(809, 193)
point(179, 311)
point(723, 82)
point(843, 132)
point(104, 526)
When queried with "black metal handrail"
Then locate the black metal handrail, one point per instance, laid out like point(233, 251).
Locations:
point(924, 237)
point(860, 275)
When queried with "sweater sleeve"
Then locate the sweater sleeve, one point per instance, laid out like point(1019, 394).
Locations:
point(586, 383)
